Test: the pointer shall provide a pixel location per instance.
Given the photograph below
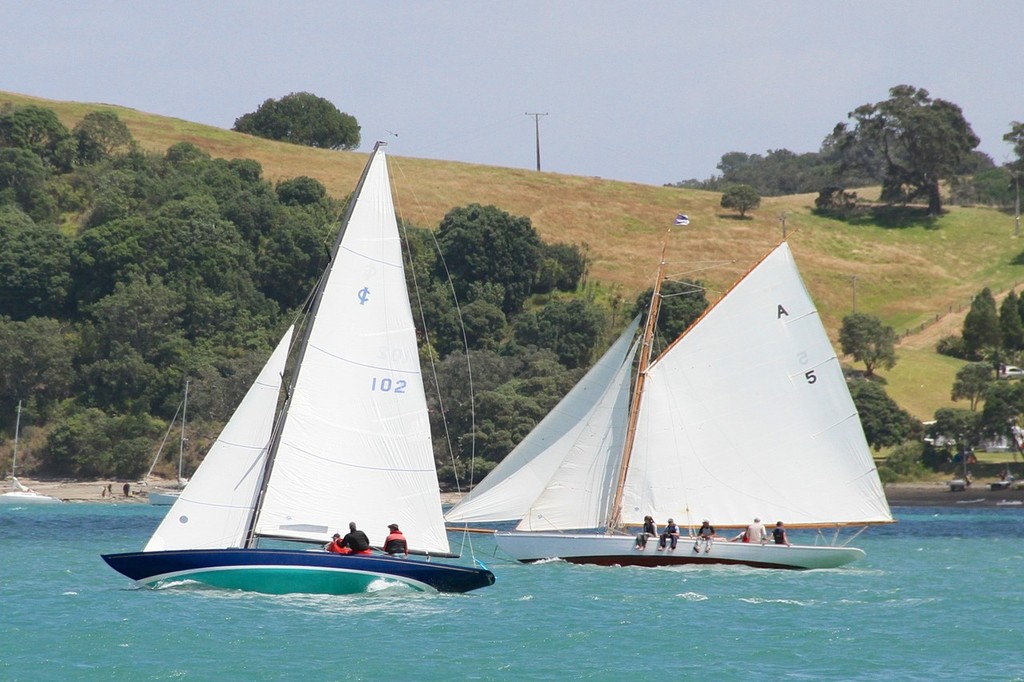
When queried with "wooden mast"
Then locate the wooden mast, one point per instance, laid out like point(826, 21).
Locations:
point(615, 514)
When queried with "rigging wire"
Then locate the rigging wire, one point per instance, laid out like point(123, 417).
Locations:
point(395, 168)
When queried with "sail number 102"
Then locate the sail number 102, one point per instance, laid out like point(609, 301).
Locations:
point(388, 385)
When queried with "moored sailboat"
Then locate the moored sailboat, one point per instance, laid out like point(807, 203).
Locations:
point(747, 414)
point(19, 493)
point(166, 496)
point(351, 441)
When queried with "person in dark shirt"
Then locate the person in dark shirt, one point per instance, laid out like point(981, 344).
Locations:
point(671, 534)
point(779, 534)
point(395, 542)
point(650, 530)
point(704, 534)
point(355, 540)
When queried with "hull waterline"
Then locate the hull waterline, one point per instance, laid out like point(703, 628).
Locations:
point(289, 571)
point(619, 550)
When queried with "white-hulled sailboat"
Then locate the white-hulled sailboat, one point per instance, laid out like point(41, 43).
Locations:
point(19, 493)
point(351, 442)
point(747, 414)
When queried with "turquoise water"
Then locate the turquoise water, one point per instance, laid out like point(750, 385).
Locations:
point(939, 597)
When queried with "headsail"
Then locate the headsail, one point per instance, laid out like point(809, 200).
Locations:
point(562, 474)
point(215, 507)
point(748, 414)
point(355, 444)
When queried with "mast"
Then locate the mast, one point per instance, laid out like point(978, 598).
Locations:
point(615, 514)
point(181, 442)
point(17, 428)
point(314, 307)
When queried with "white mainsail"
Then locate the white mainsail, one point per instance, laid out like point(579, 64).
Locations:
point(214, 509)
point(748, 414)
point(355, 444)
point(562, 475)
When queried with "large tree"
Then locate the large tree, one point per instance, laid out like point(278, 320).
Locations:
point(302, 118)
point(981, 325)
point(485, 244)
point(742, 198)
point(971, 382)
point(869, 341)
point(910, 141)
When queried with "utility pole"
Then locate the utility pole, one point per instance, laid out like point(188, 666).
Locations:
point(536, 125)
point(1016, 210)
point(782, 219)
point(853, 279)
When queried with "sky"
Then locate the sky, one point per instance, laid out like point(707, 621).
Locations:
point(650, 92)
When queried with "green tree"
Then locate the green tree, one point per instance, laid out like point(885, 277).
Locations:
point(36, 363)
point(884, 422)
point(302, 118)
point(35, 129)
point(741, 198)
point(35, 267)
point(1010, 325)
point(23, 181)
point(956, 427)
point(981, 325)
point(869, 341)
point(570, 329)
point(910, 141)
point(1016, 138)
point(485, 244)
point(971, 382)
point(1004, 403)
point(100, 135)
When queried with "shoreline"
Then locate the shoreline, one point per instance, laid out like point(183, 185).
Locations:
point(929, 494)
point(95, 491)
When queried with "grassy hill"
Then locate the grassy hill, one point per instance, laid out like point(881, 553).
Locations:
point(916, 278)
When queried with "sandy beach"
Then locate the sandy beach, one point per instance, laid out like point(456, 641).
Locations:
point(931, 494)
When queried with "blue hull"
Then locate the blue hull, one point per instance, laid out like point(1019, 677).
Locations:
point(282, 571)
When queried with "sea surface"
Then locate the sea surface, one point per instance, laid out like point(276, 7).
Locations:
point(939, 597)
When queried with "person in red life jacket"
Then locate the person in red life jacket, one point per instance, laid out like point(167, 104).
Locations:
point(336, 547)
point(395, 542)
point(355, 541)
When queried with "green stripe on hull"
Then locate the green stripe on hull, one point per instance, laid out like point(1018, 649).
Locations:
point(288, 580)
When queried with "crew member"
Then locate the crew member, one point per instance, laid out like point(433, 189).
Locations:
point(395, 542)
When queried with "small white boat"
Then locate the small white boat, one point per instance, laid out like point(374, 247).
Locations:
point(19, 494)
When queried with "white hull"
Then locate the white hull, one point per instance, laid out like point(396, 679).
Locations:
point(18, 497)
point(619, 550)
point(163, 498)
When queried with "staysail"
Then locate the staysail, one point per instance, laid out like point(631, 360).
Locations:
point(748, 414)
point(216, 506)
point(355, 443)
point(562, 474)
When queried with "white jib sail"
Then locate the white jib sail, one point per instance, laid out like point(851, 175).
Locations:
point(748, 414)
point(355, 444)
point(214, 509)
point(562, 475)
